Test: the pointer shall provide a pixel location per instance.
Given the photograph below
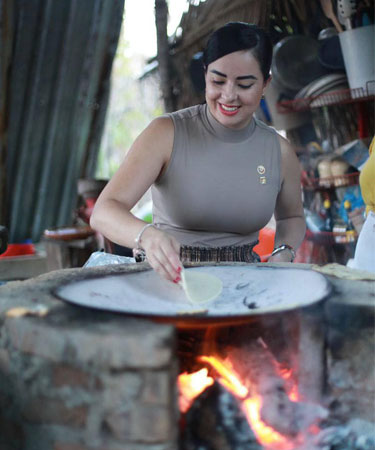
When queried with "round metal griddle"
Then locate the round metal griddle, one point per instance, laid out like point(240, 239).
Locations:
point(247, 291)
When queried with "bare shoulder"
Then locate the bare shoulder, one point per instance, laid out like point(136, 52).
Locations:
point(286, 147)
point(162, 123)
point(159, 129)
point(156, 140)
point(289, 160)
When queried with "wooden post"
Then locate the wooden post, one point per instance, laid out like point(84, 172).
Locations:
point(161, 21)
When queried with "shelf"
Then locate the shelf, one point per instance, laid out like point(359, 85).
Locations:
point(330, 238)
point(321, 184)
point(339, 97)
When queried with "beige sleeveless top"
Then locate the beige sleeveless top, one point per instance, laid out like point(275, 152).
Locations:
point(221, 185)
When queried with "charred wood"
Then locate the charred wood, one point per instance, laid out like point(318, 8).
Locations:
point(255, 363)
point(216, 422)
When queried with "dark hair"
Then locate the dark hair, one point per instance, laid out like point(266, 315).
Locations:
point(235, 36)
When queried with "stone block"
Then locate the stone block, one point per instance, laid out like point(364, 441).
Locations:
point(157, 388)
point(33, 336)
point(118, 424)
point(63, 375)
point(151, 424)
point(129, 344)
point(121, 390)
point(53, 411)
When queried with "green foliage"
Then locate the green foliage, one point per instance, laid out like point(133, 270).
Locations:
point(129, 110)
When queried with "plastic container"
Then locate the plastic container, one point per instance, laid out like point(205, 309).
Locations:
point(266, 243)
point(357, 47)
point(19, 250)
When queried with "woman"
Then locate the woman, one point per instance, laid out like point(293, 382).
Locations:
point(364, 257)
point(217, 173)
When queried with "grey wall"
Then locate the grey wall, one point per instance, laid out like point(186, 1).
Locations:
point(56, 59)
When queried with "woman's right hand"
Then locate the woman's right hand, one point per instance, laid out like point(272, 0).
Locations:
point(163, 253)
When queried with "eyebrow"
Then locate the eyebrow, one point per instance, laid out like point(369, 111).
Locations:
point(243, 77)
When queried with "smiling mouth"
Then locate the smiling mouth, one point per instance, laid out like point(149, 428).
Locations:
point(228, 110)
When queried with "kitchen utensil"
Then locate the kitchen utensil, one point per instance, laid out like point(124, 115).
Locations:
point(248, 290)
point(326, 83)
point(326, 33)
point(330, 53)
point(358, 51)
point(295, 62)
point(345, 10)
point(328, 12)
point(69, 233)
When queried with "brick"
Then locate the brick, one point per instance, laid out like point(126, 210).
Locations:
point(134, 344)
point(121, 390)
point(157, 388)
point(63, 375)
point(33, 336)
point(118, 425)
point(50, 411)
point(147, 424)
point(128, 347)
point(151, 424)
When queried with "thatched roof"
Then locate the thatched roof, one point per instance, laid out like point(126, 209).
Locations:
point(280, 17)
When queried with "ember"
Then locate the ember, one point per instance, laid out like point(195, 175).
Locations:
point(265, 392)
point(215, 421)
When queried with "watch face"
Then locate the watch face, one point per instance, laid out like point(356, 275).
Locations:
point(139, 254)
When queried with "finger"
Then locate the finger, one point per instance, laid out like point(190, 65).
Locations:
point(162, 266)
point(159, 268)
point(171, 263)
point(172, 253)
point(176, 256)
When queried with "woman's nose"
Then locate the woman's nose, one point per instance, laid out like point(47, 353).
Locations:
point(229, 92)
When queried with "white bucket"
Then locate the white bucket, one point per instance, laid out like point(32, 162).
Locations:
point(357, 47)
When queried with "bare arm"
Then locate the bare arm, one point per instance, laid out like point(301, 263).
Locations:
point(144, 163)
point(289, 215)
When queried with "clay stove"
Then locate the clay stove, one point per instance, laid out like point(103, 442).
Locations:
point(73, 378)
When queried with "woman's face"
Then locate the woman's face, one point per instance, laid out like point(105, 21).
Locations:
point(234, 87)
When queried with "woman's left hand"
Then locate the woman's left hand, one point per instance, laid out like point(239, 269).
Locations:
point(284, 256)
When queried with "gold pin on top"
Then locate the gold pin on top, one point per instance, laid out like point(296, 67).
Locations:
point(261, 170)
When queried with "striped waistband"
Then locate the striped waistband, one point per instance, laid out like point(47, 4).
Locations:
point(232, 253)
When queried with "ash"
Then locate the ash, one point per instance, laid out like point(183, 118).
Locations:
point(356, 435)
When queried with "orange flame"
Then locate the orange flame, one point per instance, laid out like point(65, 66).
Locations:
point(266, 435)
point(228, 376)
point(191, 385)
point(287, 375)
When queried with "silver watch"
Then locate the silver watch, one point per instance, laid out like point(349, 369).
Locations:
point(283, 247)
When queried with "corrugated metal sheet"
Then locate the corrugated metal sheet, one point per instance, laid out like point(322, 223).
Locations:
point(57, 92)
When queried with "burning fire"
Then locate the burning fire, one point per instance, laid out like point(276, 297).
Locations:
point(191, 385)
